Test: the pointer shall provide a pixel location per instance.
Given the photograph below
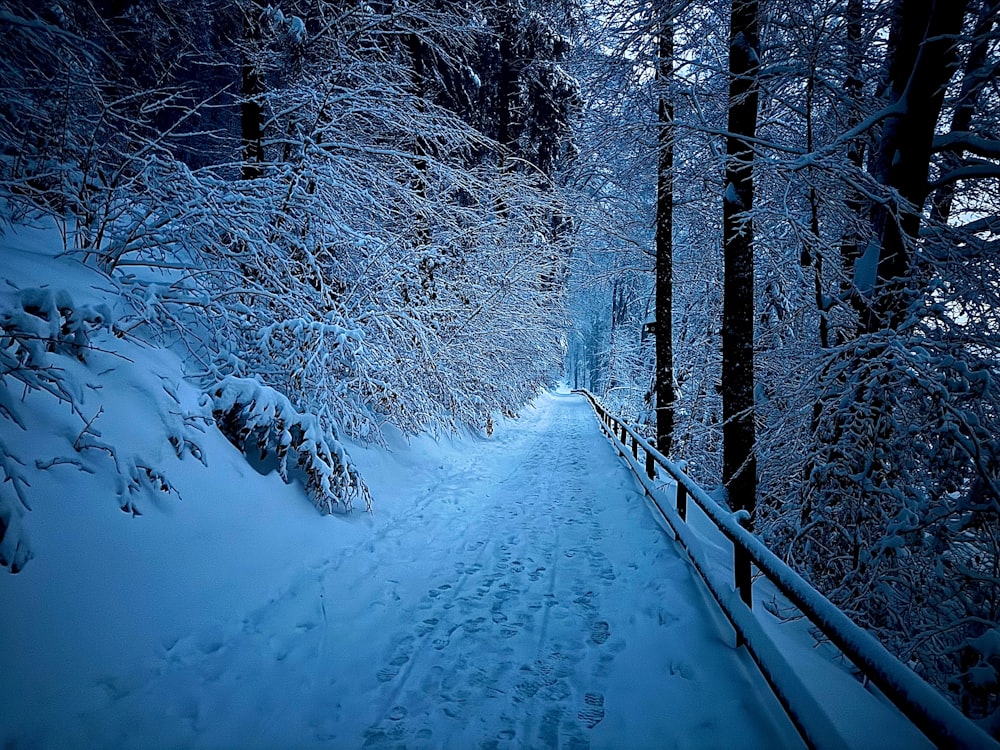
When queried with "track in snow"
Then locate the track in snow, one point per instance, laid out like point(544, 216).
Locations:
point(521, 596)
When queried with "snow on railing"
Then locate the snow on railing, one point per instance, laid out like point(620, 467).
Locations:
point(920, 703)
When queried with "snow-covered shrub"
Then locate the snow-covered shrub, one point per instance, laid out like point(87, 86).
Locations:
point(260, 420)
point(897, 519)
point(364, 256)
point(48, 352)
point(38, 327)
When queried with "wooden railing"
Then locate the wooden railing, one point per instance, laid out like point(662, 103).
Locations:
point(925, 707)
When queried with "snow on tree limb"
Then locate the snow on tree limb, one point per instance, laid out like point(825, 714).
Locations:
point(260, 420)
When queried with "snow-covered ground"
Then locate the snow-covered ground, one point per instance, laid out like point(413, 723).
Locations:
point(506, 593)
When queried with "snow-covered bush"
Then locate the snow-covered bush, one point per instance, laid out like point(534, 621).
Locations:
point(262, 422)
point(897, 518)
point(37, 328)
point(328, 239)
point(49, 358)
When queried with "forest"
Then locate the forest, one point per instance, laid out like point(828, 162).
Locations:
point(765, 232)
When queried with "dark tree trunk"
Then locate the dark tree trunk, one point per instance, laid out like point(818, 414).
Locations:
point(972, 82)
point(506, 107)
point(811, 253)
point(920, 63)
point(739, 464)
point(507, 96)
point(420, 146)
point(665, 396)
point(251, 115)
point(850, 247)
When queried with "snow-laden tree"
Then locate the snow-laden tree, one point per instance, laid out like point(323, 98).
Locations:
point(902, 475)
point(874, 222)
point(302, 202)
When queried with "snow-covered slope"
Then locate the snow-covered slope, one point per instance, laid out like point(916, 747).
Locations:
point(203, 534)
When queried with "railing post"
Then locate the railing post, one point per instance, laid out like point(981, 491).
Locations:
point(682, 501)
point(635, 449)
point(741, 573)
point(741, 570)
point(650, 466)
point(741, 563)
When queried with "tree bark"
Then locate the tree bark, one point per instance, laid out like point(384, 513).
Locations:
point(739, 464)
point(965, 108)
point(252, 86)
point(415, 49)
point(850, 246)
point(921, 60)
point(665, 396)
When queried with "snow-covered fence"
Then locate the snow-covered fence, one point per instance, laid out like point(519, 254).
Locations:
point(924, 706)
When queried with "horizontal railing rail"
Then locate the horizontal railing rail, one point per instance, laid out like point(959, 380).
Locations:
point(919, 702)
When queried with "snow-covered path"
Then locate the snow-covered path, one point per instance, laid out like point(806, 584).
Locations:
point(528, 599)
point(517, 594)
point(547, 609)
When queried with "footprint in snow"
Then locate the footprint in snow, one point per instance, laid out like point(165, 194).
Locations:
point(548, 732)
point(505, 736)
point(426, 626)
point(474, 625)
point(389, 673)
point(592, 713)
point(401, 656)
point(397, 713)
point(600, 632)
point(526, 690)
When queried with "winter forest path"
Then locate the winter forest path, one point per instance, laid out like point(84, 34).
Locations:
point(527, 598)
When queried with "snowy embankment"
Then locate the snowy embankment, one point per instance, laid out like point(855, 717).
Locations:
point(106, 590)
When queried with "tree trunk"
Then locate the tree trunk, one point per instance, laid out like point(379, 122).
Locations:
point(739, 464)
point(665, 396)
point(972, 82)
point(850, 246)
point(812, 255)
point(420, 146)
point(252, 87)
point(920, 63)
